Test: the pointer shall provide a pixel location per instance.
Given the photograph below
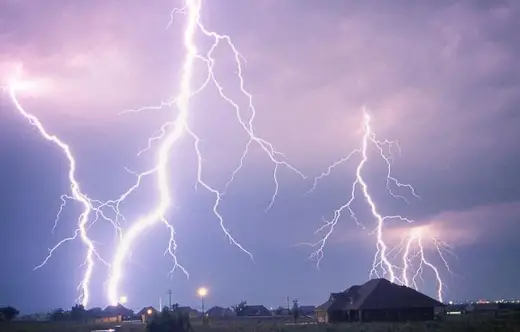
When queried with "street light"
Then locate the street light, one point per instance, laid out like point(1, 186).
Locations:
point(202, 292)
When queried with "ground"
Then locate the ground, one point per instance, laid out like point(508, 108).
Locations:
point(475, 323)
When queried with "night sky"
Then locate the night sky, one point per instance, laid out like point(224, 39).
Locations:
point(440, 77)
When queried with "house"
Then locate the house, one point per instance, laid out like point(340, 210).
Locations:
point(111, 314)
point(146, 313)
point(220, 312)
point(97, 312)
point(254, 311)
point(193, 313)
point(377, 300)
point(118, 310)
point(149, 311)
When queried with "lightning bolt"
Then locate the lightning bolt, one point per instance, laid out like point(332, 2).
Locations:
point(172, 131)
point(382, 265)
point(415, 249)
point(76, 194)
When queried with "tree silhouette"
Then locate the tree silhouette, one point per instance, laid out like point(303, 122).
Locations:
point(295, 311)
point(78, 312)
point(279, 311)
point(9, 313)
point(239, 308)
point(58, 315)
point(169, 321)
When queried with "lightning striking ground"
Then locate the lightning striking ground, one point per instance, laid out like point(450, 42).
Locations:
point(81, 231)
point(179, 126)
point(412, 248)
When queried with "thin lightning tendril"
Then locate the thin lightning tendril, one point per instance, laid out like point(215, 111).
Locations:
point(171, 132)
point(411, 249)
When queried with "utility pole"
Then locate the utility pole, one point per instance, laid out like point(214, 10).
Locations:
point(170, 299)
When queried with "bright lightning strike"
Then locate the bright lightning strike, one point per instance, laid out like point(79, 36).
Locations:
point(382, 264)
point(14, 87)
point(179, 127)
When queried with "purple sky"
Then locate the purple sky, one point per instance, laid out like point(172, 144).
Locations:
point(441, 77)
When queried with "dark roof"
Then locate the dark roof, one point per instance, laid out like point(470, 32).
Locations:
point(98, 313)
point(255, 310)
point(219, 312)
point(324, 306)
point(118, 310)
point(377, 294)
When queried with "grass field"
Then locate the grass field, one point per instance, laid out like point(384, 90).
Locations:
point(460, 324)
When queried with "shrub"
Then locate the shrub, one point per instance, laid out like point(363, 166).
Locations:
point(170, 321)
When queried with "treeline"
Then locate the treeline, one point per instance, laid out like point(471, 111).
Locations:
point(8, 313)
point(76, 313)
